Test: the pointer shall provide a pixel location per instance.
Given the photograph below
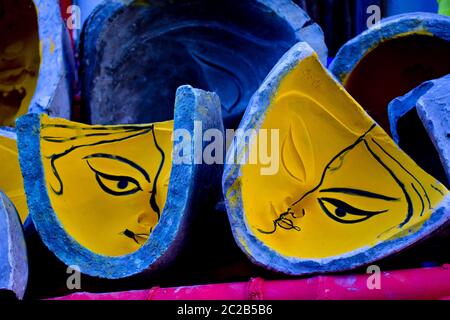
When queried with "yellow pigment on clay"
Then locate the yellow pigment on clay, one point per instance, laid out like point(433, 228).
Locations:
point(107, 184)
point(11, 181)
point(342, 184)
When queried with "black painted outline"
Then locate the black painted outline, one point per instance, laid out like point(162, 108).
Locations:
point(134, 131)
point(346, 208)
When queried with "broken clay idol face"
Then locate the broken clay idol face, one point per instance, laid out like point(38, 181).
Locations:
point(342, 183)
point(107, 184)
point(19, 58)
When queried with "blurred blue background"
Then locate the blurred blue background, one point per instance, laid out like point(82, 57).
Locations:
point(401, 6)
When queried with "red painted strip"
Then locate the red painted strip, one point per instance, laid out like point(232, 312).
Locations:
point(64, 4)
point(423, 284)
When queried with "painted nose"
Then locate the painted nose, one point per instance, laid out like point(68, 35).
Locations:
point(146, 219)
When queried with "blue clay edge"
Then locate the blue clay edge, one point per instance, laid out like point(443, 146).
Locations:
point(57, 62)
point(396, 26)
point(425, 99)
point(256, 250)
point(106, 10)
point(10, 133)
point(402, 105)
point(192, 104)
point(433, 109)
point(56, 67)
point(13, 251)
point(297, 18)
point(5, 242)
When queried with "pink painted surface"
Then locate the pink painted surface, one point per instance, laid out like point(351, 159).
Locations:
point(423, 284)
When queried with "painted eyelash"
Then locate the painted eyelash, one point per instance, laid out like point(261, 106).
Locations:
point(135, 132)
point(99, 175)
point(120, 159)
point(347, 209)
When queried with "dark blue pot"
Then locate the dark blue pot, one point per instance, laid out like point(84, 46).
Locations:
point(134, 56)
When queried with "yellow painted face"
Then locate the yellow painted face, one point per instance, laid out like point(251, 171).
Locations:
point(342, 184)
point(19, 58)
point(107, 184)
point(11, 181)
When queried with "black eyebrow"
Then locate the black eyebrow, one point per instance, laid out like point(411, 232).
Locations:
point(121, 159)
point(361, 193)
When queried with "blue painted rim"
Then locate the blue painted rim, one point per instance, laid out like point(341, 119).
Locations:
point(56, 53)
point(190, 106)
point(255, 249)
point(52, 33)
point(430, 91)
point(400, 106)
point(13, 250)
point(396, 26)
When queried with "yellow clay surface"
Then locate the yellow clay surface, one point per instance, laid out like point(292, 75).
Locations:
point(107, 184)
point(342, 185)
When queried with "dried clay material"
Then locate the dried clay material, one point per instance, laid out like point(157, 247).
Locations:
point(420, 124)
point(109, 199)
point(344, 194)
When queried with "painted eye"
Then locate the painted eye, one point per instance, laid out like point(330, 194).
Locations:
point(344, 213)
point(116, 185)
